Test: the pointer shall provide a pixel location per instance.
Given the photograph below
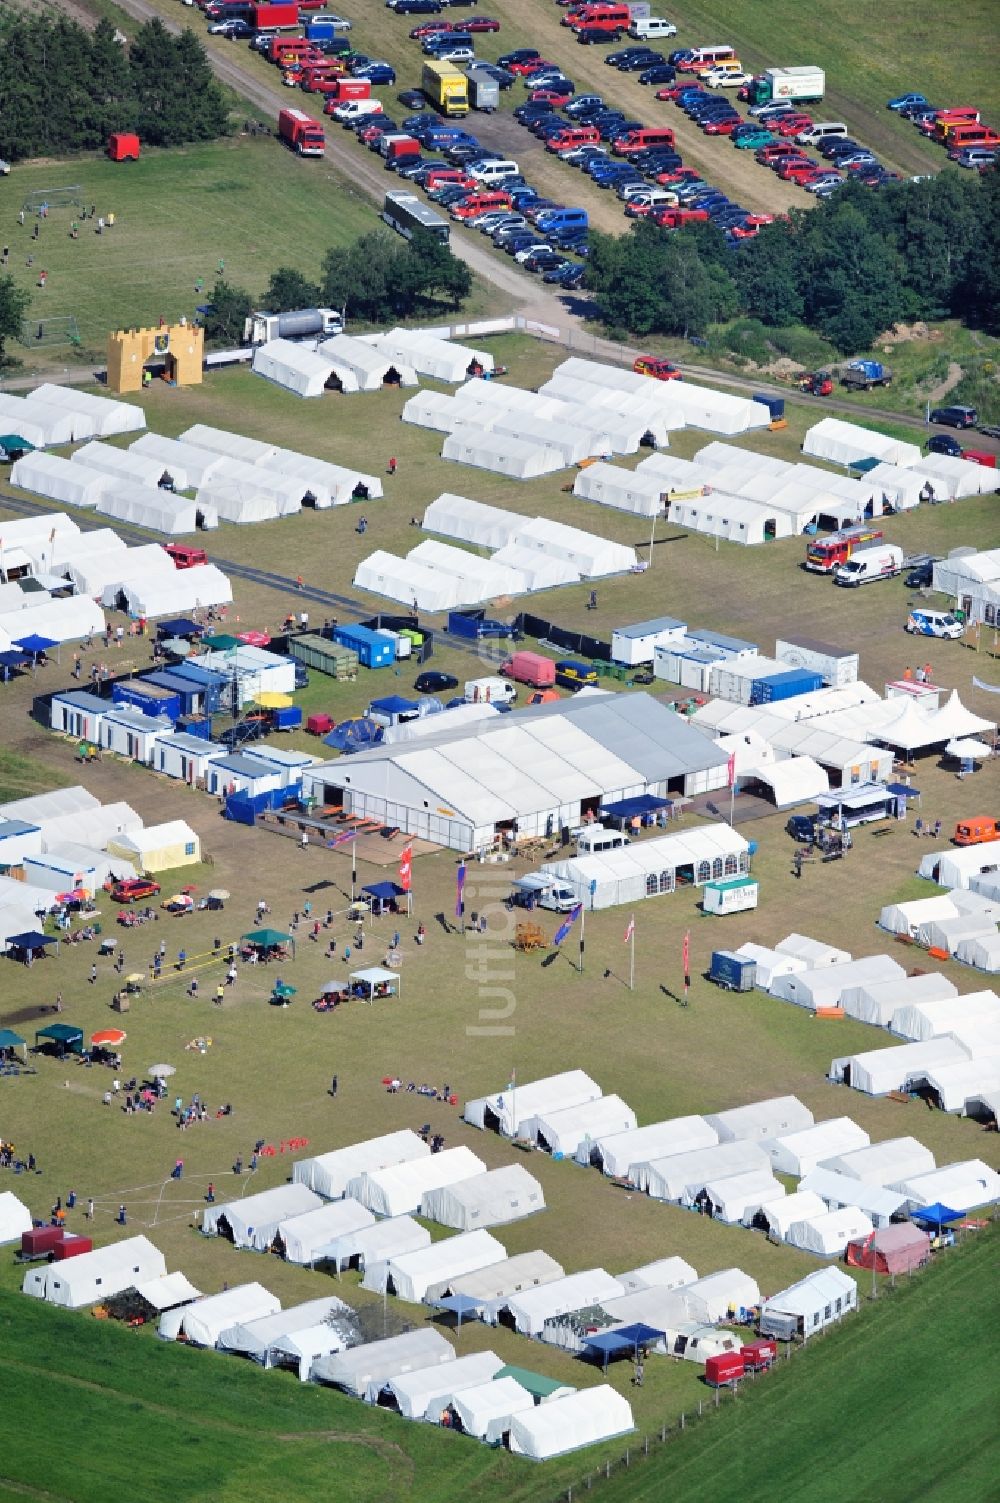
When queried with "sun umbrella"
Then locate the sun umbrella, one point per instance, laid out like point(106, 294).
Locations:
point(161, 1072)
point(176, 647)
point(78, 895)
point(254, 638)
point(968, 749)
point(179, 900)
point(282, 989)
point(272, 700)
point(136, 979)
point(112, 1036)
point(220, 894)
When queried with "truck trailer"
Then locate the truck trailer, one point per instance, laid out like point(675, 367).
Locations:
point(797, 85)
point(864, 375)
point(302, 323)
point(299, 131)
point(275, 17)
point(446, 88)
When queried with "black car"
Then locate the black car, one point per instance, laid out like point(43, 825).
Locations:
point(955, 417)
point(242, 732)
point(614, 58)
point(435, 683)
point(412, 99)
point(417, 7)
point(921, 575)
point(583, 104)
point(589, 36)
point(802, 828)
point(520, 55)
point(658, 73)
point(499, 75)
point(641, 61)
point(943, 443)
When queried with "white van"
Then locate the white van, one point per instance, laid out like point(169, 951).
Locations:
point(815, 133)
point(943, 624)
point(356, 109)
point(493, 174)
point(490, 691)
point(644, 30)
point(538, 891)
point(596, 839)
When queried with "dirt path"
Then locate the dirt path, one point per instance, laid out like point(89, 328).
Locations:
point(949, 383)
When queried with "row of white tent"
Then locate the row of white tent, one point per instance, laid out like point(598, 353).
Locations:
point(677, 404)
point(545, 553)
point(847, 443)
point(972, 578)
point(962, 922)
point(52, 415)
point(437, 577)
point(974, 868)
point(366, 362)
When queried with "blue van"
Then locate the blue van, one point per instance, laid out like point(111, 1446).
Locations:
point(562, 219)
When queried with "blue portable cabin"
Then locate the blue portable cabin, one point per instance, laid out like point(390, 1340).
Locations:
point(373, 650)
point(188, 693)
point(211, 685)
point(242, 773)
point(777, 686)
point(149, 699)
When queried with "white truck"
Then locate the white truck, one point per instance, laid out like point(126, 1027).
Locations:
point(539, 891)
point(301, 323)
point(499, 691)
point(865, 565)
point(791, 85)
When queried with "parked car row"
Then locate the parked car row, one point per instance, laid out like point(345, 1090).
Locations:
point(960, 130)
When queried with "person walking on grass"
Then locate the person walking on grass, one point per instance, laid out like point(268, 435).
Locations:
point(334, 1084)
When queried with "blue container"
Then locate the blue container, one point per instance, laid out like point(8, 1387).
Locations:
point(784, 686)
point(196, 725)
point(152, 703)
point(373, 650)
point(774, 405)
point(189, 693)
point(734, 972)
point(286, 718)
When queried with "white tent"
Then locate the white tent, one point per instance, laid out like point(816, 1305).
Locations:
point(960, 1087)
point(160, 511)
point(844, 443)
point(563, 1132)
point(408, 581)
point(107, 415)
point(574, 441)
point(735, 1196)
point(102, 573)
point(761, 1119)
point(92, 1276)
point(328, 1173)
point(490, 1199)
point(879, 1071)
point(824, 986)
point(365, 1370)
point(157, 594)
point(798, 1152)
point(508, 1110)
point(486, 1411)
point(15, 1217)
point(683, 1176)
point(770, 964)
point(472, 521)
point(518, 459)
point(429, 354)
point(910, 918)
point(242, 492)
point(399, 1191)
point(308, 1237)
point(531, 1308)
point(204, 1321)
point(232, 445)
point(957, 866)
point(43, 423)
point(582, 1419)
point(954, 477)
point(828, 1235)
point(254, 1220)
point(301, 1349)
point(711, 1299)
point(961, 1186)
point(929, 1020)
point(492, 1284)
point(983, 952)
point(537, 571)
point(625, 490)
point(427, 1393)
point(649, 868)
point(98, 826)
point(615, 1154)
point(664, 1273)
point(837, 1190)
point(168, 1291)
point(592, 556)
point(818, 1300)
point(812, 951)
point(58, 479)
point(780, 1214)
point(371, 367)
point(479, 578)
point(734, 519)
point(410, 1275)
point(68, 619)
point(294, 366)
point(436, 410)
point(188, 465)
point(877, 1002)
point(257, 1338)
point(948, 934)
point(882, 1163)
point(791, 781)
point(124, 464)
point(379, 1243)
point(320, 483)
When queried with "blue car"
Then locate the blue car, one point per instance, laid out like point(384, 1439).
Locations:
point(377, 73)
point(902, 100)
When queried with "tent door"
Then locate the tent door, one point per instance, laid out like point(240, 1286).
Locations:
point(333, 382)
point(770, 529)
point(392, 377)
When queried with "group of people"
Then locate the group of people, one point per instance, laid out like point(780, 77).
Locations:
point(918, 675)
point(9, 1159)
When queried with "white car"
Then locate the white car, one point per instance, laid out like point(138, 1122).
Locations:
point(720, 78)
point(339, 23)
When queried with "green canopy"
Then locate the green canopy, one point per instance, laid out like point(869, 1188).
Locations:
point(62, 1033)
point(220, 643)
point(534, 1383)
point(266, 939)
point(10, 1040)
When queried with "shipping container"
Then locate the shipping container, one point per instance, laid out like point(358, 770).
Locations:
point(732, 972)
point(836, 665)
point(41, 1241)
point(151, 699)
point(731, 895)
point(373, 650)
point(785, 685)
point(326, 656)
point(71, 1247)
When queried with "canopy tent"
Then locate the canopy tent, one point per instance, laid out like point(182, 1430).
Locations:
point(399, 1191)
point(320, 483)
point(844, 443)
point(879, 1071)
point(186, 590)
point(531, 1308)
point(893, 1249)
point(188, 465)
point(43, 423)
point(486, 1410)
point(167, 1292)
point(715, 1297)
point(953, 721)
point(157, 510)
point(106, 416)
point(89, 1277)
point(123, 464)
point(481, 578)
point(825, 985)
point(365, 1370)
point(255, 1220)
point(877, 1002)
point(427, 1392)
point(492, 1284)
point(828, 1235)
point(966, 1186)
point(429, 354)
point(256, 1338)
point(328, 1173)
point(837, 1190)
point(471, 521)
point(653, 867)
point(412, 583)
point(736, 1196)
point(379, 1243)
point(15, 1217)
point(794, 780)
point(761, 1119)
point(518, 459)
point(297, 368)
point(309, 1237)
point(626, 490)
point(507, 1111)
point(564, 1132)
point(617, 1152)
point(491, 1199)
point(780, 1214)
point(203, 1322)
point(371, 368)
point(683, 1176)
point(59, 480)
point(798, 1152)
point(818, 1300)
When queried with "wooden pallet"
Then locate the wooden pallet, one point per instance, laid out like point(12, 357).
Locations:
point(529, 937)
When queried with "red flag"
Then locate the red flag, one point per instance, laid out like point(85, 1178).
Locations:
point(732, 768)
point(687, 954)
point(406, 866)
point(630, 930)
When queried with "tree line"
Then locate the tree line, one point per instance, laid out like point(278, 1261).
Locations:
point(64, 89)
point(376, 279)
point(848, 269)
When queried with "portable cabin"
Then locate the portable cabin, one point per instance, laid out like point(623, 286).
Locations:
point(18, 838)
point(373, 650)
point(128, 733)
point(185, 757)
point(77, 713)
point(241, 772)
point(151, 699)
point(210, 686)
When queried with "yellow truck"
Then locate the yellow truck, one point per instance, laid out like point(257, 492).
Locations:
point(446, 88)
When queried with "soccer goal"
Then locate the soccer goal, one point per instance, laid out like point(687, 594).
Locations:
point(70, 197)
point(36, 332)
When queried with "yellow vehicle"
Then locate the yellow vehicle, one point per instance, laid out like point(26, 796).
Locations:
point(446, 88)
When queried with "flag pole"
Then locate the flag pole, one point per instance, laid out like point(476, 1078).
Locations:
point(354, 867)
point(583, 930)
point(631, 961)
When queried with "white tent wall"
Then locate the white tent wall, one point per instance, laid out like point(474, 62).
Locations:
point(780, 1214)
point(424, 1394)
point(473, 522)
point(295, 367)
point(372, 368)
point(617, 1153)
point(626, 875)
point(15, 1218)
point(232, 445)
point(770, 964)
point(185, 590)
point(517, 459)
point(958, 477)
point(492, 1199)
point(982, 953)
point(665, 1273)
point(203, 1321)
point(538, 571)
point(254, 1221)
point(322, 484)
point(107, 577)
point(435, 410)
point(879, 1071)
point(89, 1277)
point(683, 1176)
point(828, 1235)
point(531, 1308)
point(431, 354)
point(399, 1191)
point(122, 463)
point(256, 1338)
point(625, 490)
point(955, 867)
point(732, 519)
point(799, 1152)
point(844, 443)
point(107, 416)
point(837, 1190)
point(69, 619)
point(328, 1173)
point(378, 1243)
point(486, 1411)
point(761, 1119)
point(575, 441)
point(158, 510)
point(306, 1238)
point(909, 918)
point(507, 1109)
point(365, 1370)
point(410, 1276)
point(53, 422)
point(485, 576)
point(563, 1132)
point(188, 465)
point(736, 1196)
point(493, 1283)
point(818, 1300)
point(824, 986)
point(582, 1419)
point(400, 579)
point(242, 492)
point(877, 1002)
point(58, 480)
point(813, 951)
point(962, 1186)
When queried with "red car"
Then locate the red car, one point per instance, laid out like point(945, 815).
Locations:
point(794, 171)
point(679, 175)
point(430, 27)
point(789, 125)
point(756, 220)
point(556, 97)
point(670, 92)
point(723, 127)
point(653, 365)
point(133, 890)
point(530, 65)
point(480, 23)
point(744, 231)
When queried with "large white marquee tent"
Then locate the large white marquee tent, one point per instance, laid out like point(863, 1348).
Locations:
point(518, 459)
point(511, 1109)
point(107, 415)
point(158, 510)
point(123, 464)
point(650, 868)
point(329, 1173)
point(845, 443)
point(59, 480)
point(297, 368)
point(188, 465)
point(491, 1199)
point(410, 1275)
point(429, 354)
point(399, 1191)
point(581, 1419)
point(615, 1154)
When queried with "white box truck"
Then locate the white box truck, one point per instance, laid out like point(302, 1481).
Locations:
point(877, 561)
point(796, 85)
point(499, 691)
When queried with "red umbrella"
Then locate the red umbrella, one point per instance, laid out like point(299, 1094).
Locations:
point(254, 638)
point(111, 1036)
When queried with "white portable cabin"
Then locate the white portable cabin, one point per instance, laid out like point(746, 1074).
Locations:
point(257, 1338)
point(845, 443)
point(563, 1132)
point(531, 1308)
point(961, 1186)
point(508, 1110)
point(185, 757)
point(818, 1300)
point(400, 1190)
point(371, 368)
point(518, 459)
point(187, 465)
point(761, 1119)
point(879, 1071)
point(130, 734)
point(878, 1002)
point(58, 479)
point(93, 1276)
point(683, 1176)
point(486, 1411)
point(838, 1190)
point(159, 511)
point(255, 1220)
point(615, 1154)
point(562, 1425)
point(883, 1163)
point(492, 1284)
point(427, 1393)
point(491, 1199)
point(78, 713)
point(123, 464)
point(736, 1196)
point(377, 1244)
point(311, 1236)
point(328, 1173)
point(203, 1322)
point(365, 1370)
point(625, 490)
point(295, 367)
point(61, 869)
point(780, 1214)
point(107, 416)
point(15, 1218)
point(798, 1152)
point(824, 986)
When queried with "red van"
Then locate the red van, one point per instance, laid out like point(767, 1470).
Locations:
point(599, 18)
point(184, 556)
point(480, 203)
point(642, 139)
point(574, 135)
